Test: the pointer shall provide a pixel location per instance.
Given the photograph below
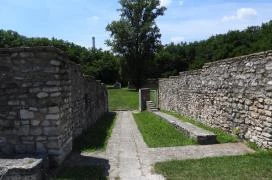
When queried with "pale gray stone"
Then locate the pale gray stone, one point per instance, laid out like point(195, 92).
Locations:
point(53, 83)
point(50, 131)
point(26, 114)
point(40, 148)
point(53, 109)
point(45, 123)
point(42, 95)
point(33, 109)
point(14, 102)
point(55, 62)
point(51, 89)
point(52, 116)
point(37, 131)
point(55, 94)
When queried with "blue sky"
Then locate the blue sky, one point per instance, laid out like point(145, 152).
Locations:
point(78, 20)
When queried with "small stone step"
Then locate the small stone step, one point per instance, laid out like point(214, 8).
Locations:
point(202, 136)
point(150, 106)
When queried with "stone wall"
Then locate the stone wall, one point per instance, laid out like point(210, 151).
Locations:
point(45, 101)
point(233, 94)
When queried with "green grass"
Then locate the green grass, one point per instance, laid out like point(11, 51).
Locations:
point(153, 96)
point(158, 133)
point(222, 137)
point(250, 167)
point(123, 99)
point(96, 137)
point(81, 173)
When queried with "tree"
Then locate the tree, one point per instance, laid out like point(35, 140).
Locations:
point(136, 36)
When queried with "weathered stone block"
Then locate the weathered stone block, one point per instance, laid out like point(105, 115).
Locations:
point(53, 109)
point(37, 131)
point(42, 95)
point(55, 62)
point(45, 123)
point(268, 135)
point(35, 122)
point(14, 102)
point(34, 90)
point(55, 94)
point(268, 66)
point(41, 138)
point(53, 83)
point(26, 114)
point(52, 116)
point(33, 109)
point(52, 145)
point(40, 148)
point(50, 131)
point(51, 89)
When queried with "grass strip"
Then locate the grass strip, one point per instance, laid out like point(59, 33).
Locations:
point(159, 133)
point(123, 99)
point(222, 136)
point(250, 167)
point(95, 137)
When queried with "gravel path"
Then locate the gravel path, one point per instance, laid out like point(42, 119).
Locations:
point(127, 156)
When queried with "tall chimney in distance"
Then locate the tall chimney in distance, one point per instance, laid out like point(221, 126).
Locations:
point(93, 38)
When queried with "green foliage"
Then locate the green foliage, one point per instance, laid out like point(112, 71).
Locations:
point(102, 65)
point(252, 166)
point(135, 40)
point(159, 133)
point(174, 58)
point(221, 136)
point(136, 36)
point(254, 146)
point(123, 99)
point(96, 137)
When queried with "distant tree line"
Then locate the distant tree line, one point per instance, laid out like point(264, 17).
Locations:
point(174, 58)
point(169, 59)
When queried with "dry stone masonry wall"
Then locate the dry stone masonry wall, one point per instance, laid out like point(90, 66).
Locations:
point(45, 101)
point(233, 94)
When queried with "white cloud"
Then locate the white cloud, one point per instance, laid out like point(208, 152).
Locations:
point(241, 14)
point(181, 3)
point(177, 39)
point(165, 2)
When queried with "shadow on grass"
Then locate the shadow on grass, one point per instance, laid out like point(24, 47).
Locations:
point(95, 137)
point(78, 166)
point(84, 168)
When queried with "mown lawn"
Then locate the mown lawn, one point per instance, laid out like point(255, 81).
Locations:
point(222, 137)
point(96, 137)
point(247, 167)
point(123, 99)
point(158, 133)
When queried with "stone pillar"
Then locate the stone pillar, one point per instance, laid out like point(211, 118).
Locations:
point(144, 95)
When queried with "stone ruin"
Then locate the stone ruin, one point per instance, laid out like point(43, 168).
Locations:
point(45, 102)
point(233, 94)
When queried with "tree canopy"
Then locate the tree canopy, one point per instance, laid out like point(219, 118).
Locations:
point(174, 58)
point(169, 59)
point(101, 64)
point(136, 36)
